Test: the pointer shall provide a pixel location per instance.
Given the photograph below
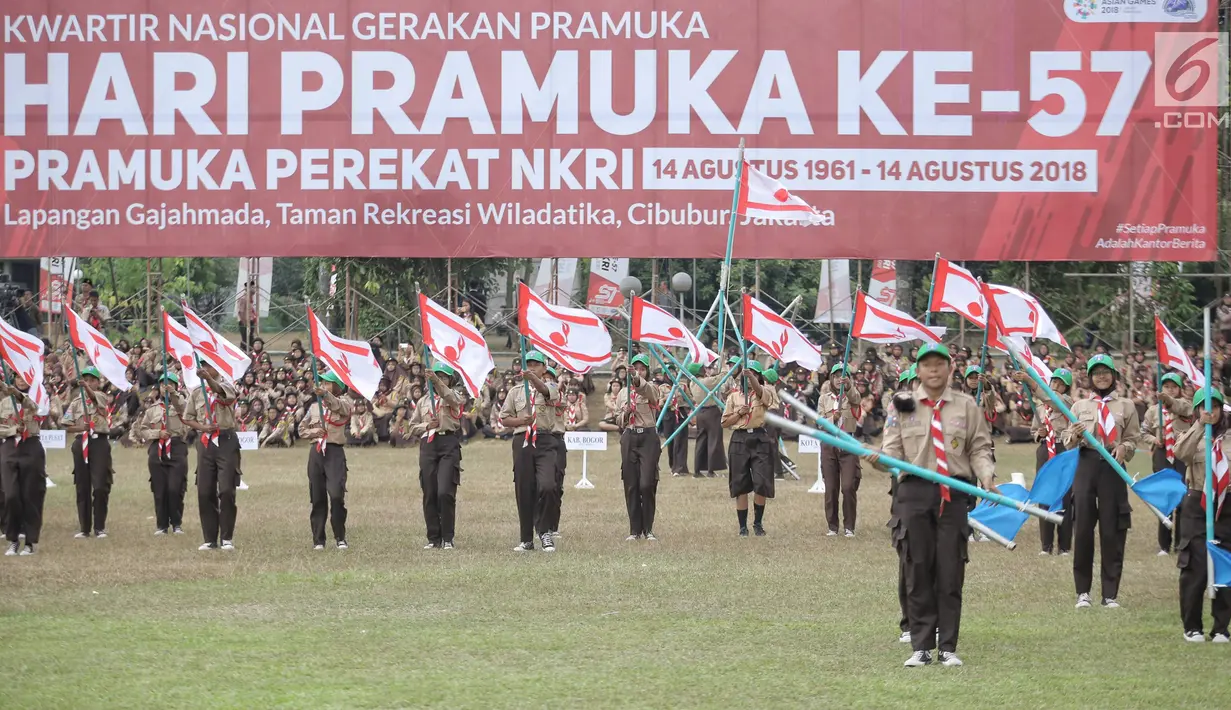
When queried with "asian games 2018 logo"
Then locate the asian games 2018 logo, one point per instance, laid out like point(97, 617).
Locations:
point(1183, 8)
point(1085, 8)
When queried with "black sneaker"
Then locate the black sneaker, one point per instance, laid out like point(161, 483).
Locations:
point(548, 544)
point(29, 549)
point(759, 530)
point(11, 549)
point(743, 532)
point(447, 546)
point(524, 547)
point(918, 660)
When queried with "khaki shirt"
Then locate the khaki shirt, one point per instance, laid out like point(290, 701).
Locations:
point(219, 410)
point(362, 424)
point(98, 404)
point(1045, 412)
point(759, 407)
point(697, 394)
point(1128, 426)
point(441, 413)
point(828, 407)
point(645, 416)
point(1152, 432)
point(150, 425)
point(1190, 448)
point(337, 416)
point(968, 438)
point(23, 418)
point(515, 405)
point(576, 415)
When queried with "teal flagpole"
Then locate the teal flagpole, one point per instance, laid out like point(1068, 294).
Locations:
point(1211, 504)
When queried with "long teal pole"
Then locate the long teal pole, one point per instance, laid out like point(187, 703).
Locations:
point(725, 277)
point(1211, 504)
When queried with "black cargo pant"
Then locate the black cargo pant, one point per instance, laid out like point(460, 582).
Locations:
point(1192, 564)
point(534, 482)
point(93, 482)
point(639, 453)
point(1100, 497)
point(327, 491)
point(168, 479)
point(841, 472)
point(1047, 531)
point(23, 480)
point(217, 477)
point(440, 473)
point(561, 470)
point(932, 552)
point(1166, 534)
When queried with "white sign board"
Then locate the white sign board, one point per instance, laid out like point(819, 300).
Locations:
point(52, 438)
point(808, 445)
point(586, 440)
point(247, 440)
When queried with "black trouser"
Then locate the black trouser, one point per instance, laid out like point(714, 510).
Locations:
point(23, 480)
point(561, 470)
point(327, 491)
point(247, 332)
point(534, 482)
point(751, 468)
point(710, 454)
point(1192, 564)
point(932, 555)
point(677, 450)
point(168, 479)
point(893, 524)
point(93, 481)
point(217, 477)
point(1100, 497)
point(1166, 534)
point(639, 452)
point(841, 472)
point(440, 473)
point(1047, 531)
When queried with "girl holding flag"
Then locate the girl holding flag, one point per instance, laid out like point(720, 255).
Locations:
point(640, 449)
point(751, 470)
point(163, 429)
point(840, 402)
point(1100, 496)
point(437, 422)
point(325, 426)
point(1046, 428)
point(1161, 429)
point(531, 412)
point(210, 412)
point(1190, 532)
point(92, 474)
point(23, 467)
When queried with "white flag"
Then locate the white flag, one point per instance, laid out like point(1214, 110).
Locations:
point(179, 346)
point(1022, 314)
point(350, 360)
point(230, 362)
point(456, 343)
point(652, 324)
point(879, 323)
point(776, 336)
point(112, 363)
point(762, 197)
point(24, 355)
point(956, 290)
point(573, 337)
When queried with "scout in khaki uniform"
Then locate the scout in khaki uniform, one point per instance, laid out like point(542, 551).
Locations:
point(23, 467)
point(678, 409)
point(710, 454)
point(840, 469)
point(209, 412)
point(92, 474)
point(437, 423)
point(940, 429)
point(1191, 530)
point(639, 450)
point(1100, 496)
point(751, 471)
point(162, 428)
point(534, 452)
point(1162, 436)
point(1046, 428)
point(327, 459)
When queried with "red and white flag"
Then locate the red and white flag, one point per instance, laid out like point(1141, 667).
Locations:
point(956, 290)
point(762, 197)
point(112, 363)
point(654, 325)
point(230, 362)
point(23, 353)
point(775, 335)
point(456, 343)
point(178, 344)
point(350, 360)
point(1171, 354)
point(878, 323)
point(573, 337)
point(1021, 314)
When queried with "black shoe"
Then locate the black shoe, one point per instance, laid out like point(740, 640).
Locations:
point(743, 532)
point(760, 531)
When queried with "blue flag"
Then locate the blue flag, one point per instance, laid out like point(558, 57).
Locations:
point(1163, 490)
point(1004, 520)
point(1222, 565)
point(1053, 481)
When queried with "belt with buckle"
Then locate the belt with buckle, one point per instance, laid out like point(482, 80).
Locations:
point(638, 430)
point(753, 430)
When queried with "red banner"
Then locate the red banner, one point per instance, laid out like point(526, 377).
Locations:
point(991, 130)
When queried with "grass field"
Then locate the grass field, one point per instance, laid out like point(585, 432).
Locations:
point(700, 619)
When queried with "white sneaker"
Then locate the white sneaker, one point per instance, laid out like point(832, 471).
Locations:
point(228, 545)
point(11, 550)
point(21, 536)
point(243, 485)
point(649, 537)
point(918, 660)
point(904, 637)
point(207, 546)
point(1162, 553)
point(318, 547)
point(27, 550)
point(831, 533)
point(447, 545)
point(342, 545)
point(160, 531)
point(1083, 601)
point(1044, 553)
point(632, 538)
point(849, 533)
point(1221, 638)
point(556, 535)
point(950, 660)
point(100, 534)
point(177, 530)
point(1194, 637)
point(982, 538)
point(524, 547)
point(431, 546)
point(50, 483)
point(81, 536)
point(1064, 554)
point(1111, 604)
point(971, 538)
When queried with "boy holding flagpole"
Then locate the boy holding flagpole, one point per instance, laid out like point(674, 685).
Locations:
point(437, 422)
point(1161, 429)
point(325, 427)
point(941, 429)
point(751, 469)
point(163, 429)
point(23, 466)
point(88, 416)
point(839, 401)
point(530, 411)
point(640, 448)
point(210, 412)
